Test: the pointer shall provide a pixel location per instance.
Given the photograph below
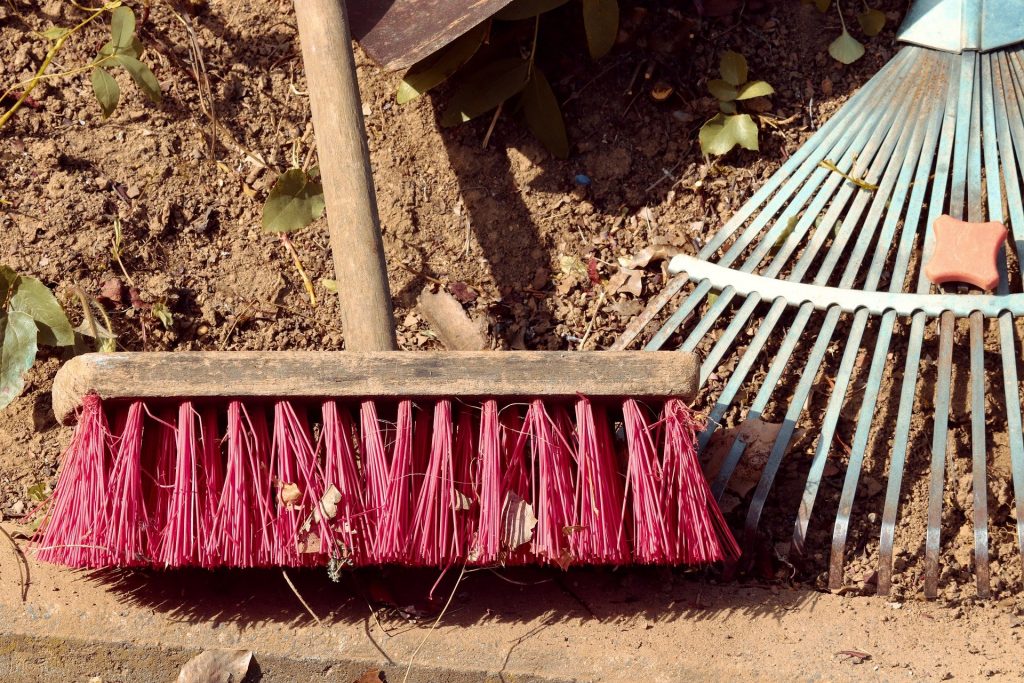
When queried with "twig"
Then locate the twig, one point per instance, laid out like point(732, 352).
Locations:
point(412, 660)
point(298, 266)
point(23, 570)
point(590, 325)
point(490, 128)
point(299, 596)
point(234, 323)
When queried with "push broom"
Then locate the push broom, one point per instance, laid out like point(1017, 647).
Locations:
point(835, 267)
point(372, 455)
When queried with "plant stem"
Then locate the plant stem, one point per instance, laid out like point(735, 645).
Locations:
point(533, 48)
point(839, 9)
point(298, 266)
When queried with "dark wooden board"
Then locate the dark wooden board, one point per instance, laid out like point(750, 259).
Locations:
point(387, 374)
point(398, 33)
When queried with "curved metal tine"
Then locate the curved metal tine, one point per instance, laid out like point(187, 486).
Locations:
point(708, 320)
point(940, 433)
point(922, 142)
point(911, 368)
point(892, 137)
point(1007, 112)
point(836, 135)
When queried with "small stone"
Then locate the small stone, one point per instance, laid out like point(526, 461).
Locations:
point(102, 183)
point(18, 508)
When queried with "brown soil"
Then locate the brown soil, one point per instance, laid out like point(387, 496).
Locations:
point(506, 227)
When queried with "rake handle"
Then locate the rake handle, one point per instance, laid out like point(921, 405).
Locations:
point(352, 217)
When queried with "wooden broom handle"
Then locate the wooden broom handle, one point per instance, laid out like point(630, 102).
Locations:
point(352, 217)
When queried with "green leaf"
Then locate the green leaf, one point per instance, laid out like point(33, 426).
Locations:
point(727, 106)
point(35, 299)
point(484, 90)
point(524, 9)
point(733, 68)
point(163, 314)
point(846, 49)
point(142, 76)
point(133, 50)
point(540, 106)
point(438, 67)
point(37, 492)
point(122, 27)
point(871, 21)
point(17, 353)
point(8, 279)
point(754, 89)
point(722, 133)
point(601, 22)
point(723, 91)
point(106, 90)
point(296, 201)
point(54, 33)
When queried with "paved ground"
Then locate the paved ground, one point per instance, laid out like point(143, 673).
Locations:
point(638, 625)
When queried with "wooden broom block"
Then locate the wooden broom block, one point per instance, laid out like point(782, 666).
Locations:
point(378, 374)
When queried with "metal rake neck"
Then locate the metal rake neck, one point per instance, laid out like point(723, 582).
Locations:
point(958, 25)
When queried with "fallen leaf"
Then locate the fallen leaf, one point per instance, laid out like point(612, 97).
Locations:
point(571, 265)
point(463, 292)
point(290, 493)
point(371, 676)
point(112, 291)
point(759, 437)
point(658, 252)
point(460, 501)
point(564, 559)
point(517, 521)
point(217, 666)
point(627, 280)
point(328, 507)
point(450, 321)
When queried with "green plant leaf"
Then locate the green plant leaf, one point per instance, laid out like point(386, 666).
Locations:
point(754, 89)
point(142, 76)
point(17, 353)
point(106, 90)
point(54, 33)
point(8, 279)
point(163, 314)
point(871, 21)
point(132, 50)
point(524, 9)
point(438, 67)
point(722, 91)
point(601, 22)
point(727, 107)
point(122, 26)
point(37, 492)
point(485, 89)
point(846, 48)
point(35, 299)
point(295, 201)
point(722, 133)
point(733, 68)
point(540, 107)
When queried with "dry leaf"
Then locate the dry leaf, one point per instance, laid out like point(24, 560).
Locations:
point(461, 501)
point(564, 559)
point(759, 436)
point(371, 676)
point(449, 320)
point(216, 666)
point(658, 252)
point(627, 280)
point(517, 521)
point(328, 507)
point(463, 292)
point(290, 493)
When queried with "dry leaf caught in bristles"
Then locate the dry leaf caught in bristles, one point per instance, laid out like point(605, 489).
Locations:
point(290, 493)
point(517, 522)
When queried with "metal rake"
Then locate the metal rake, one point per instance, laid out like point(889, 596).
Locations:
point(820, 263)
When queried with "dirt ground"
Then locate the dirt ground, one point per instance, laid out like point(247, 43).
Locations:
point(531, 252)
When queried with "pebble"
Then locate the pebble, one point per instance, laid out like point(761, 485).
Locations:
point(102, 183)
point(18, 508)
point(583, 180)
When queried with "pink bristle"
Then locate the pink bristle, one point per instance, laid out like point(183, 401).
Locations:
point(422, 435)
point(391, 543)
point(375, 469)
point(488, 542)
point(599, 491)
point(464, 498)
point(351, 524)
point(241, 530)
point(127, 525)
point(74, 531)
point(295, 463)
point(552, 484)
point(643, 473)
point(703, 535)
point(159, 451)
point(182, 539)
point(434, 518)
point(211, 482)
point(515, 482)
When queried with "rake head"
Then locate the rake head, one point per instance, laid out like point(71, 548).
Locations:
point(813, 308)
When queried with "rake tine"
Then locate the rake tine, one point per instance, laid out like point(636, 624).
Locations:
point(965, 122)
point(901, 436)
point(978, 453)
point(1004, 82)
point(834, 138)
